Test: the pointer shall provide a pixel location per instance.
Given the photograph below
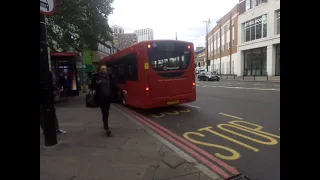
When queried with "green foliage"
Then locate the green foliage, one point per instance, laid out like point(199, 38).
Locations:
point(79, 24)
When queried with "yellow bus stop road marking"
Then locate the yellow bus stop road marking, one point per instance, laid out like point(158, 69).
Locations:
point(235, 117)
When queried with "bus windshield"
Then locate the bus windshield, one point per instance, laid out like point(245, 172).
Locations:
point(169, 56)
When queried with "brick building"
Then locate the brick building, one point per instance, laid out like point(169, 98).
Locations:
point(200, 57)
point(223, 41)
point(246, 40)
point(125, 40)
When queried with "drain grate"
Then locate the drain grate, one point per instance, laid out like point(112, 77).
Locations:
point(239, 177)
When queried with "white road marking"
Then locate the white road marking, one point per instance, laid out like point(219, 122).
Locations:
point(193, 106)
point(246, 88)
point(258, 84)
point(238, 83)
point(197, 85)
point(234, 87)
point(277, 85)
point(235, 117)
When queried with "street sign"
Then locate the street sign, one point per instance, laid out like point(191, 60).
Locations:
point(47, 7)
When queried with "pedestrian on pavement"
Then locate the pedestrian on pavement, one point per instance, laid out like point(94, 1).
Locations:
point(105, 88)
point(54, 90)
point(64, 84)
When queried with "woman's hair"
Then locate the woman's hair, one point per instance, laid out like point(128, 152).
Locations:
point(99, 66)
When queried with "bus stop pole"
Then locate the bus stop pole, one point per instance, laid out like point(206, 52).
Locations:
point(46, 86)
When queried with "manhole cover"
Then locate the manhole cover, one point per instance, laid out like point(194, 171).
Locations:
point(239, 177)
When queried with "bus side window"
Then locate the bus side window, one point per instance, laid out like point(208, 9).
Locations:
point(121, 74)
point(130, 67)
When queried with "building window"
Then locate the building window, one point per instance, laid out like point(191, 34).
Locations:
point(255, 62)
point(248, 4)
point(278, 21)
point(222, 68)
point(277, 73)
point(253, 3)
point(255, 28)
point(232, 67)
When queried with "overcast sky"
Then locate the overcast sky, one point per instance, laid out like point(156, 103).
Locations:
point(166, 17)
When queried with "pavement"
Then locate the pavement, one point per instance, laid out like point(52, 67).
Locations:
point(237, 123)
point(270, 79)
point(133, 152)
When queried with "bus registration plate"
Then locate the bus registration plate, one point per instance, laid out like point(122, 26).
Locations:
point(173, 102)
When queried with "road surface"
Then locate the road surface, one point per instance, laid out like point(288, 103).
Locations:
point(236, 122)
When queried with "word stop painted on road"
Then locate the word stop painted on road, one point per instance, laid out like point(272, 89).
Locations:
point(239, 125)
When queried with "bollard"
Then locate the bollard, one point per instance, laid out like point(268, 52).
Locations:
point(267, 76)
point(227, 76)
point(254, 77)
point(234, 76)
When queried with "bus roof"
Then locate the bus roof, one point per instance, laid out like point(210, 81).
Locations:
point(131, 48)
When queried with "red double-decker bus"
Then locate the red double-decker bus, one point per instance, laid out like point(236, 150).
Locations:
point(154, 73)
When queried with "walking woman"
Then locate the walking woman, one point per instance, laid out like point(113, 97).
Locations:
point(105, 87)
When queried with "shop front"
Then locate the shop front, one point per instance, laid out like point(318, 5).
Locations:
point(66, 62)
point(255, 62)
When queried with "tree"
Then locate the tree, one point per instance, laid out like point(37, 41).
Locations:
point(79, 24)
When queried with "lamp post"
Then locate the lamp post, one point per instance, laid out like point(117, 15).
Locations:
point(46, 85)
point(207, 60)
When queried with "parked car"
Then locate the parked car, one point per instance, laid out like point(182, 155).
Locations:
point(198, 71)
point(208, 76)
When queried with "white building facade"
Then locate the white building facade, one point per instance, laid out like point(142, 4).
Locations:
point(259, 39)
point(144, 34)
